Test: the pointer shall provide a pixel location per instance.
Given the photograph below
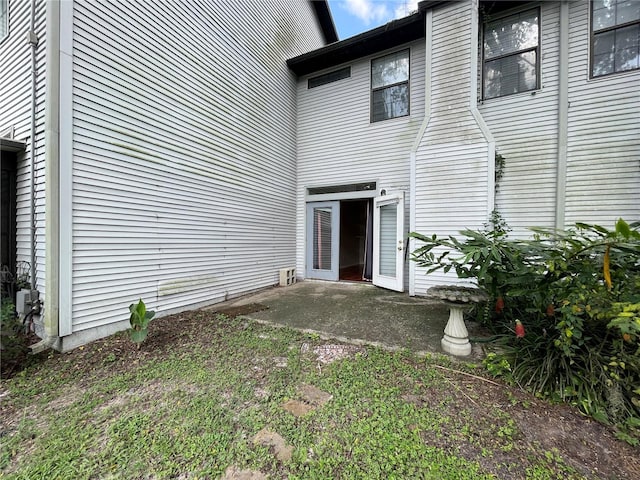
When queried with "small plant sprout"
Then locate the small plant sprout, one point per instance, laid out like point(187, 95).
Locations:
point(139, 321)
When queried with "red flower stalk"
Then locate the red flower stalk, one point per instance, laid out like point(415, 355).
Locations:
point(499, 305)
point(519, 329)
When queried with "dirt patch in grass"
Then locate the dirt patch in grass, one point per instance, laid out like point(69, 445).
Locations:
point(239, 310)
point(505, 430)
point(493, 423)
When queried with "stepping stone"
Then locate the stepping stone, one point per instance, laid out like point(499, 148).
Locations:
point(233, 473)
point(297, 408)
point(310, 399)
point(272, 439)
point(314, 395)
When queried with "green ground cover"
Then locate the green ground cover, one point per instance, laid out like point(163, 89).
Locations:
point(190, 402)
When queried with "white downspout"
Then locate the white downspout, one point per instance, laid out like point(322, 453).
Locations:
point(33, 42)
point(416, 144)
point(52, 172)
point(563, 114)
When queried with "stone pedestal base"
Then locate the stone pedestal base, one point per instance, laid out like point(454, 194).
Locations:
point(456, 336)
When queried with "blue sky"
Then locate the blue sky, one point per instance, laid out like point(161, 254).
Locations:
point(356, 16)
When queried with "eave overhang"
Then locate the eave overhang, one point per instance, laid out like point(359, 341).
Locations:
point(326, 20)
point(393, 34)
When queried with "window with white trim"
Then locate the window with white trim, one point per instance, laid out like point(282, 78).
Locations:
point(4, 19)
point(511, 54)
point(615, 36)
point(390, 86)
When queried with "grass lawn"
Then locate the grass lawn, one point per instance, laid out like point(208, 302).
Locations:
point(209, 396)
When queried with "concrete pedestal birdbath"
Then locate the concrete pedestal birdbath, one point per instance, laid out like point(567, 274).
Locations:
point(456, 336)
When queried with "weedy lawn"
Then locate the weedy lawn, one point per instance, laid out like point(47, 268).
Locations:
point(209, 396)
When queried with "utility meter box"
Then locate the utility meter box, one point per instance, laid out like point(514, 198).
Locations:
point(25, 300)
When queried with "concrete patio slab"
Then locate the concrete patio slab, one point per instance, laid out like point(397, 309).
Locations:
point(355, 313)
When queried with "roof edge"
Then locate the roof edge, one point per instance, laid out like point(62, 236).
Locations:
point(394, 33)
point(327, 24)
point(386, 36)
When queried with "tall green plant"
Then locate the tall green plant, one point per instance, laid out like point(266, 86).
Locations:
point(139, 321)
point(578, 294)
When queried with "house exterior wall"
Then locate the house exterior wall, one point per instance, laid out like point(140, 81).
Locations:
point(525, 128)
point(603, 148)
point(15, 114)
point(602, 140)
point(183, 153)
point(338, 143)
point(452, 179)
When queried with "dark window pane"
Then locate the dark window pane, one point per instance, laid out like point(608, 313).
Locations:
point(604, 14)
point(390, 69)
point(390, 102)
point(604, 43)
point(616, 50)
point(512, 74)
point(602, 64)
point(511, 34)
point(627, 48)
point(627, 11)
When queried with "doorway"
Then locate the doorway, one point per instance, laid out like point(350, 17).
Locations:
point(7, 222)
point(357, 240)
point(356, 246)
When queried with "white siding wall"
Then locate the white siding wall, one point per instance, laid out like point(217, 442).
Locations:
point(338, 144)
point(525, 128)
point(451, 162)
point(603, 166)
point(183, 151)
point(15, 111)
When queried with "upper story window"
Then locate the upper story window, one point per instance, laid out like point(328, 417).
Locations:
point(4, 19)
point(511, 54)
point(615, 36)
point(390, 86)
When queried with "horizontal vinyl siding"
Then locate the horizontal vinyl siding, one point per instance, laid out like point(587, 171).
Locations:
point(451, 161)
point(338, 144)
point(15, 111)
point(603, 165)
point(451, 196)
point(525, 128)
point(184, 151)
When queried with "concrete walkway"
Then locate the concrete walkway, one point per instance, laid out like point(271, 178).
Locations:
point(354, 312)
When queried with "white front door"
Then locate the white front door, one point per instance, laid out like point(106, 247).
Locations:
point(323, 240)
point(388, 241)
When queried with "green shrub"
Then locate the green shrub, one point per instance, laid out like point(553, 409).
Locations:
point(578, 294)
point(13, 340)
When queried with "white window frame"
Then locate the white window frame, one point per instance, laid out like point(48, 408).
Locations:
point(392, 85)
point(592, 35)
point(535, 49)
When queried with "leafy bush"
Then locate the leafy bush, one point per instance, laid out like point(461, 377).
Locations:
point(13, 340)
point(578, 294)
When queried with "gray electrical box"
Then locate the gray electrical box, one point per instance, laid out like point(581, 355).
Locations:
point(26, 300)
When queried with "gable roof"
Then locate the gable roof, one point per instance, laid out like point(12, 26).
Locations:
point(326, 20)
point(394, 33)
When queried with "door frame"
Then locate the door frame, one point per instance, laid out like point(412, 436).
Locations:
point(386, 281)
point(334, 272)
